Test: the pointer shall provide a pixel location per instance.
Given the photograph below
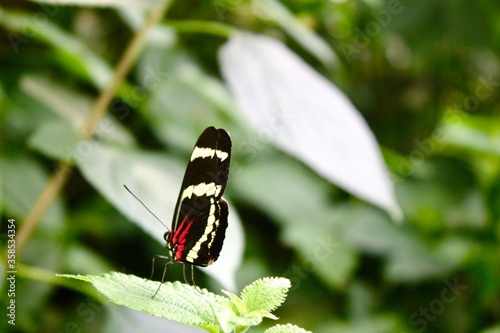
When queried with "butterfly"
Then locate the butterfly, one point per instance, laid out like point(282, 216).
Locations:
point(200, 217)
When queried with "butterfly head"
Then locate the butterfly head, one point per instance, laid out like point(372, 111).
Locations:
point(169, 245)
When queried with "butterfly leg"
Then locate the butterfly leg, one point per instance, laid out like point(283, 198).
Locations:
point(192, 276)
point(164, 271)
point(153, 263)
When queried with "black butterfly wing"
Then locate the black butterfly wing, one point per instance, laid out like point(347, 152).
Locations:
point(200, 217)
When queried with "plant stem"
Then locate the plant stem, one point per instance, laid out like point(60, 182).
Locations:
point(50, 192)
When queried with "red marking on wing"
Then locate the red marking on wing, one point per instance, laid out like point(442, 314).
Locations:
point(179, 237)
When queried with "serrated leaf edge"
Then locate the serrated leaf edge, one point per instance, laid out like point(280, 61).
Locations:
point(288, 328)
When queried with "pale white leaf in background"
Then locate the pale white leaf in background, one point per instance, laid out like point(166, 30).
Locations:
point(304, 114)
point(156, 181)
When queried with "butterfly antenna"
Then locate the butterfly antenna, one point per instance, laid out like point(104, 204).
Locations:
point(142, 203)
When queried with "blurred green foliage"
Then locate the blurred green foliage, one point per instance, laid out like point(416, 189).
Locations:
point(424, 74)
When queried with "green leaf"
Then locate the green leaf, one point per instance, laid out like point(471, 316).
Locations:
point(174, 301)
point(323, 250)
point(74, 55)
point(265, 295)
point(321, 244)
point(73, 107)
point(17, 170)
point(191, 306)
point(142, 4)
point(55, 139)
point(408, 258)
point(473, 134)
point(257, 301)
point(236, 303)
point(288, 328)
point(492, 329)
